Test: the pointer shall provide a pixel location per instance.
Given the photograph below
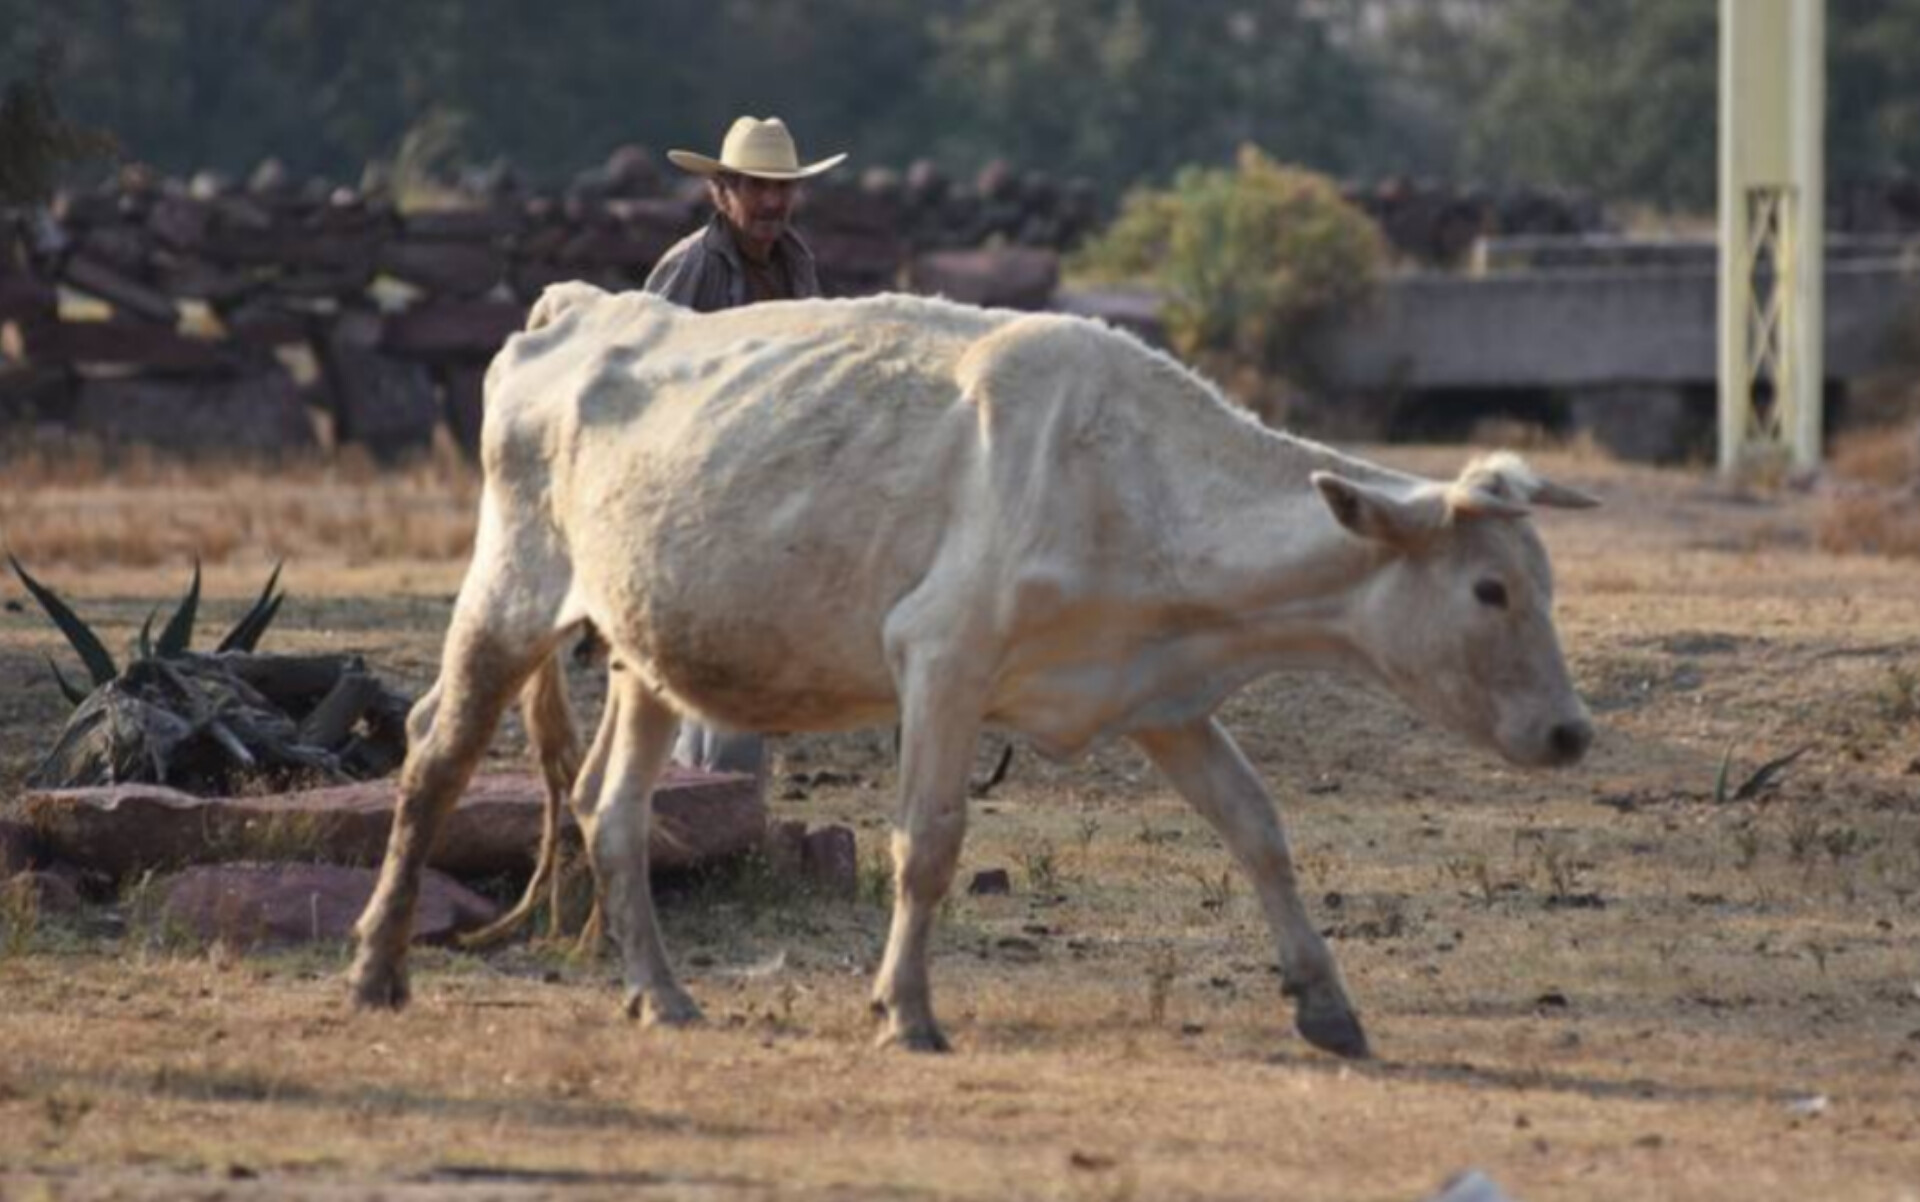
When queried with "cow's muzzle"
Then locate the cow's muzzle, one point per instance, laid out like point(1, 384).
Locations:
point(1567, 742)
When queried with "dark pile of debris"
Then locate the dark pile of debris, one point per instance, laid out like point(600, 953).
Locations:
point(238, 793)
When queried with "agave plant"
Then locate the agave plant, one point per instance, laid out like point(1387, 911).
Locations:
point(220, 721)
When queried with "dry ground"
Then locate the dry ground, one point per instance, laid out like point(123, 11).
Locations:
point(1614, 982)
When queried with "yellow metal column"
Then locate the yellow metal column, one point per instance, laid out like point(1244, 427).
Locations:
point(1772, 256)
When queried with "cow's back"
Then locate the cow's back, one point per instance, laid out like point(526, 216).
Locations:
point(746, 494)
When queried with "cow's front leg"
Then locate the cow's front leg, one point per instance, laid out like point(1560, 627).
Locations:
point(1209, 771)
point(641, 728)
point(448, 732)
point(940, 721)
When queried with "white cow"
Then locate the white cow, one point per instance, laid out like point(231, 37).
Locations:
point(828, 514)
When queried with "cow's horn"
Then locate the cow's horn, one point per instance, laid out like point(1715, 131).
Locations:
point(1558, 496)
point(1479, 502)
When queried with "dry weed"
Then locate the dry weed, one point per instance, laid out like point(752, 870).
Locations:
point(84, 508)
point(1876, 506)
point(1876, 522)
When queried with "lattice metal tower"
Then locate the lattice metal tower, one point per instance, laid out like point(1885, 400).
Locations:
point(1772, 256)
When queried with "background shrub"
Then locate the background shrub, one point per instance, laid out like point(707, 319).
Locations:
point(1251, 260)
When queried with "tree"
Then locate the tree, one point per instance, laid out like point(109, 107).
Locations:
point(1125, 89)
point(36, 141)
point(1614, 96)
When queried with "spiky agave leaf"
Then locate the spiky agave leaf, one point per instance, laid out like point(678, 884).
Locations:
point(247, 631)
point(143, 642)
point(79, 635)
point(72, 692)
point(179, 629)
point(251, 635)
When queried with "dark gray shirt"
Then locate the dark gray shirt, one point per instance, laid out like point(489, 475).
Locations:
point(705, 271)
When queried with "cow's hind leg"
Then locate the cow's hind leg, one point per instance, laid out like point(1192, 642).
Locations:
point(940, 722)
point(1207, 768)
point(636, 734)
point(484, 663)
point(555, 744)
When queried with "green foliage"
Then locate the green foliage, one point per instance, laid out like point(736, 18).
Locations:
point(1611, 96)
point(1250, 260)
point(1121, 90)
point(1614, 96)
point(174, 637)
point(424, 163)
point(36, 142)
point(79, 635)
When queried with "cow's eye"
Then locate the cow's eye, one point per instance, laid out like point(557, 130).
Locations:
point(1491, 592)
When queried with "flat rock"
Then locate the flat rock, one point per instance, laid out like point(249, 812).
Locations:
point(251, 903)
point(384, 404)
point(258, 411)
point(830, 861)
point(453, 328)
point(990, 882)
point(698, 817)
point(53, 894)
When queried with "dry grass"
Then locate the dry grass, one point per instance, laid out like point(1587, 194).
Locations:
point(135, 510)
point(1874, 506)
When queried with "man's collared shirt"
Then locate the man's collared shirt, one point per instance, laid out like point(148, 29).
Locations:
point(706, 272)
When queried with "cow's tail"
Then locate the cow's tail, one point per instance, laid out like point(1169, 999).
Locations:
point(555, 744)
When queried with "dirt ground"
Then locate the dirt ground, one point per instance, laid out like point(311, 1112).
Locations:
point(1628, 980)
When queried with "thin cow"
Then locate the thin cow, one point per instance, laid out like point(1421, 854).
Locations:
point(820, 515)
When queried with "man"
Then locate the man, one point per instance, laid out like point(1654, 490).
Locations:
point(748, 252)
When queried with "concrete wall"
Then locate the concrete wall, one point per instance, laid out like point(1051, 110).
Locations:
point(1589, 329)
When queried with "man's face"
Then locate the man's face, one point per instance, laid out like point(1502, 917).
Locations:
point(758, 209)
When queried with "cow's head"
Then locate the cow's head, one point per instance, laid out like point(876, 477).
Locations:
point(1458, 621)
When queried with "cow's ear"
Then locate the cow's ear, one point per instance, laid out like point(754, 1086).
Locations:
point(1370, 511)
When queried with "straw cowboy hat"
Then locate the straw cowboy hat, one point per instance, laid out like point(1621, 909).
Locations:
point(762, 149)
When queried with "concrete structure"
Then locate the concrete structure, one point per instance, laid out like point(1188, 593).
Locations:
point(1591, 328)
point(1772, 172)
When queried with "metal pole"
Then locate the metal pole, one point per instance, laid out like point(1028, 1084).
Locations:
point(1772, 254)
point(1809, 76)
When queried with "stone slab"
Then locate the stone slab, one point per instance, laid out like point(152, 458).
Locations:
point(249, 904)
point(494, 829)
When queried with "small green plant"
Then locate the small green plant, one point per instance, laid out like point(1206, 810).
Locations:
point(1747, 845)
point(148, 926)
point(1760, 781)
point(1475, 871)
point(1150, 835)
point(1089, 830)
point(1561, 870)
point(1162, 967)
point(1216, 892)
point(1041, 861)
point(876, 879)
point(1844, 842)
point(423, 161)
point(1899, 695)
point(1250, 259)
point(19, 915)
point(1803, 837)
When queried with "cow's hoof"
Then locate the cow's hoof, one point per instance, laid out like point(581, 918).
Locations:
point(663, 1008)
point(375, 986)
point(1336, 1031)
